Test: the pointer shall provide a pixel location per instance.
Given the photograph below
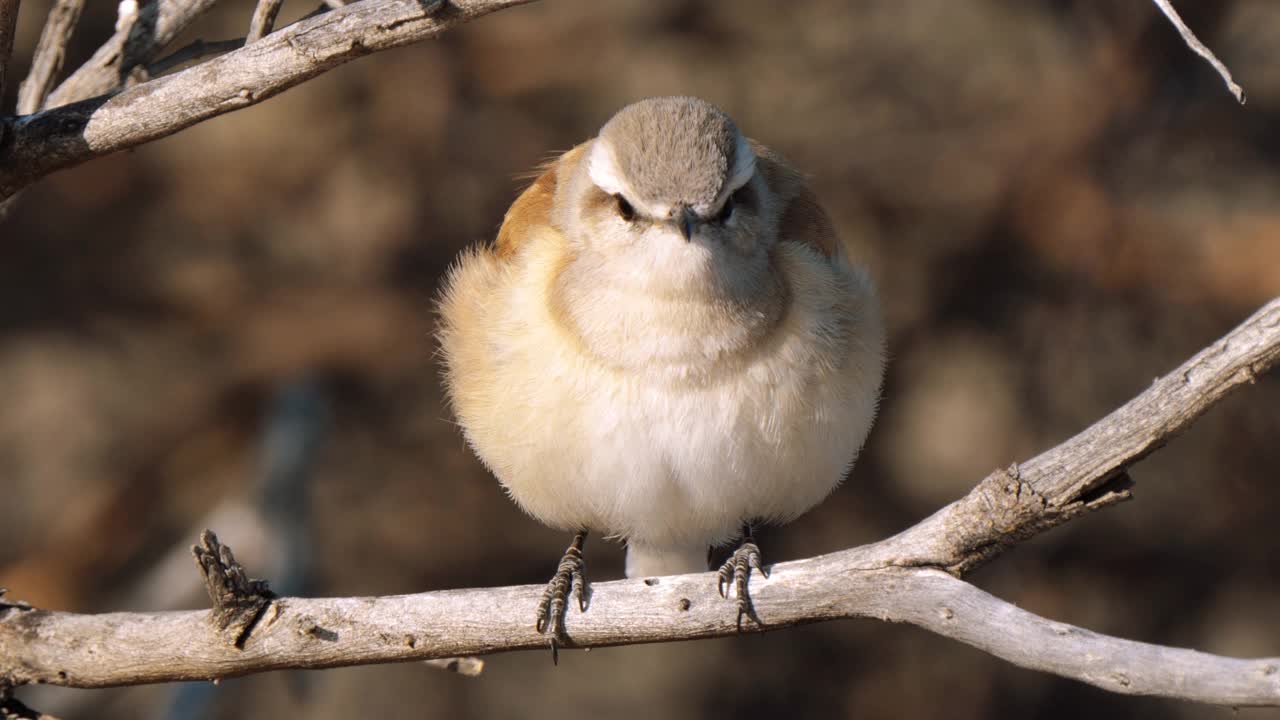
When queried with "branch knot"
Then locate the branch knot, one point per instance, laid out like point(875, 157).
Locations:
point(238, 600)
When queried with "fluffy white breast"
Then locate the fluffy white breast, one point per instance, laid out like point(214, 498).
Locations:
point(682, 451)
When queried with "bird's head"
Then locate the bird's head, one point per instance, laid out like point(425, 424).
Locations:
point(669, 177)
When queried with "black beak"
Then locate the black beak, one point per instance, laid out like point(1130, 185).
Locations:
point(685, 218)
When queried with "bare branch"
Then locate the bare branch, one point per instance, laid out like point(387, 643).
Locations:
point(75, 133)
point(332, 632)
point(1087, 471)
point(50, 52)
point(900, 579)
point(8, 28)
point(137, 42)
point(1200, 49)
point(264, 18)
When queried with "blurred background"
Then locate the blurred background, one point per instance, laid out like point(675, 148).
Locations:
point(232, 328)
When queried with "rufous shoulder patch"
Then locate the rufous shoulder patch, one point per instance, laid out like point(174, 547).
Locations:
point(533, 208)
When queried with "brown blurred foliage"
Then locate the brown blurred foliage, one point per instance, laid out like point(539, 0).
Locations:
point(1058, 200)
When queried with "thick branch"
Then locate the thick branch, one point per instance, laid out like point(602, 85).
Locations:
point(73, 134)
point(898, 579)
point(126, 648)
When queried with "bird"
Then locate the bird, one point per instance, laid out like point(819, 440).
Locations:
point(666, 343)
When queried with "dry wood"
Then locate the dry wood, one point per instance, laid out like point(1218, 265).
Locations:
point(50, 51)
point(137, 42)
point(264, 19)
point(911, 577)
point(1200, 48)
point(72, 134)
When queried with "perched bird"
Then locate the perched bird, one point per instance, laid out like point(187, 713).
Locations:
point(666, 342)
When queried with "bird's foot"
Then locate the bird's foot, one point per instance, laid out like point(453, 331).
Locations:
point(570, 577)
point(737, 571)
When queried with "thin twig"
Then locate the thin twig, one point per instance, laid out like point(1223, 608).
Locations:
point(156, 25)
point(910, 578)
point(264, 18)
point(50, 52)
point(1200, 49)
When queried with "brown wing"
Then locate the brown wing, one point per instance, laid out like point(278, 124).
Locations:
point(533, 207)
point(801, 218)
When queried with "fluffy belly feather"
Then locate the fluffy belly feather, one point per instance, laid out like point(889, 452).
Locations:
point(669, 456)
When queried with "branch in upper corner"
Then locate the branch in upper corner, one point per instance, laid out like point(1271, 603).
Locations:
point(1200, 49)
point(136, 42)
point(264, 18)
point(72, 134)
point(8, 28)
point(50, 52)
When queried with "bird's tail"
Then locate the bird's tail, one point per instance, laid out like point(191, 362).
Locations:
point(650, 560)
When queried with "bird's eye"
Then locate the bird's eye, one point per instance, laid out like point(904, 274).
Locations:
point(726, 211)
point(625, 211)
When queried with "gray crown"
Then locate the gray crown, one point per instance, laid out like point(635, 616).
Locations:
point(673, 149)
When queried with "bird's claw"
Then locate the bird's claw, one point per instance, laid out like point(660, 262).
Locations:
point(570, 578)
point(736, 570)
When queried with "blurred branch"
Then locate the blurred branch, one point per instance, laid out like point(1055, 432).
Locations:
point(72, 134)
point(1200, 48)
point(12, 709)
point(50, 51)
point(8, 28)
point(912, 577)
